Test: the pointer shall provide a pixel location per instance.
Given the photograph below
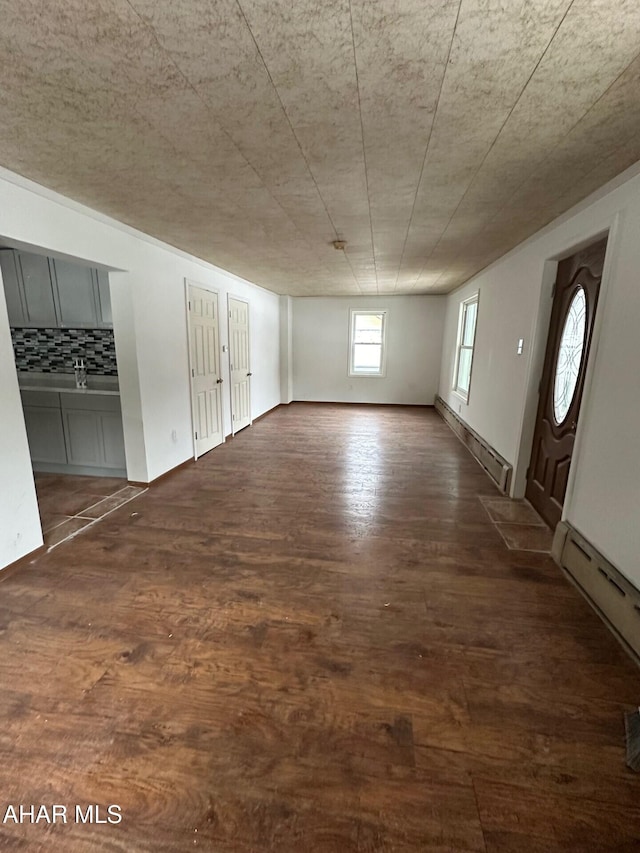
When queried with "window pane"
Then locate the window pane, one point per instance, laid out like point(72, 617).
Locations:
point(367, 329)
point(470, 313)
point(464, 370)
point(367, 357)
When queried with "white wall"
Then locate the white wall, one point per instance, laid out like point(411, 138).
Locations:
point(603, 498)
point(286, 349)
point(321, 350)
point(19, 519)
point(150, 332)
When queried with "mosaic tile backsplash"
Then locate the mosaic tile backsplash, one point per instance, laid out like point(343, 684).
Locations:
point(55, 350)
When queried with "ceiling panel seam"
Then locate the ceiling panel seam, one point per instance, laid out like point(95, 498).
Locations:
point(491, 147)
point(364, 150)
point(566, 135)
point(426, 150)
point(208, 109)
point(539, 164)
point(295, 136)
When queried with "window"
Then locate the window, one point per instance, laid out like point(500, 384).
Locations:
point(367, 343)
point(464, 352)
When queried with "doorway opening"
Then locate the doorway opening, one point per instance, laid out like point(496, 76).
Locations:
point(575, 300)
point(204, 369)
point(239, 364)
point(61, 329)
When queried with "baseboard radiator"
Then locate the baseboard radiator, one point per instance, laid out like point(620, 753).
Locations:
point(613, 597)
point(496, 467)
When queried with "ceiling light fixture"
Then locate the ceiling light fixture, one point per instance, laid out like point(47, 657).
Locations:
point(339, 244)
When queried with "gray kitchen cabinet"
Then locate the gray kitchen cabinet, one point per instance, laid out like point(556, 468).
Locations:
point(45, 433)
point(75, 294)
point(82, 431)
point(49, 293)
point(37, 291)
point(112, 440)
point(103, 299)
point(12, 287)
point(93, 431)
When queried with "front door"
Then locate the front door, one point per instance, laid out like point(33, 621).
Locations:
point(239, 364)
point(570, 329)
point(206, 380)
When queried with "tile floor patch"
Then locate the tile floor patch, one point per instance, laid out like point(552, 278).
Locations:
point(514, 512)
point(519, 525)
point(526, 537)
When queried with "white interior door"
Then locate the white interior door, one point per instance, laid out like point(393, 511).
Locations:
point(239, 364)
point(206, 379)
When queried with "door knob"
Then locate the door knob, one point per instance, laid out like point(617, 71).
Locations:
point(218, 381)
point(249, 374)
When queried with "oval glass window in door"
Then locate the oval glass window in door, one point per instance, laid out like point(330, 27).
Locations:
point(569, 356)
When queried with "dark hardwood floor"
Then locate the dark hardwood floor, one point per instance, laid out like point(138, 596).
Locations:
point(314, 639)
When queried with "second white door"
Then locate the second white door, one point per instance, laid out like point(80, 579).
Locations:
point(206, 380)
point(239, 364)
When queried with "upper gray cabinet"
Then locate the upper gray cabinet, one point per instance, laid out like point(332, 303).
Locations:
point(48, 293)
point(37, 293)
point(74, 288)
point(12, 287)
point(103, 299)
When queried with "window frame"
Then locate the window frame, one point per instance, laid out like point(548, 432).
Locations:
point(382, 372)
point(460, 346)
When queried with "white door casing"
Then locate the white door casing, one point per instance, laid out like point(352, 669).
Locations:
point(206, 378)
point(239, 364)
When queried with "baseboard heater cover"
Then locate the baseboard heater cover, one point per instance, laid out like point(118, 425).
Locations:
point(495, 465)
point(614, 598)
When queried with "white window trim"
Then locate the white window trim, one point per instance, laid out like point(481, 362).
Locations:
point(383, 367)
point(464, 305)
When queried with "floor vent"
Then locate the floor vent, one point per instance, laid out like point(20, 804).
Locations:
point(496, 467)
point(615, 599)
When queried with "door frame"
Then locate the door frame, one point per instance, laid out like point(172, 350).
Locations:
point(539, 334)
point(187, 282)
point(248, 304)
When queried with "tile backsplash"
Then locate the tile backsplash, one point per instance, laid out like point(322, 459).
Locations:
point(54, 350)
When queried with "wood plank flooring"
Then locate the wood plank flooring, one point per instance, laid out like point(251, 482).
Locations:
point(314, 639)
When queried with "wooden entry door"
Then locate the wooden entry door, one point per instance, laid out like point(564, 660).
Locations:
point(239, 364)
point(570, 329)
point(206, 381)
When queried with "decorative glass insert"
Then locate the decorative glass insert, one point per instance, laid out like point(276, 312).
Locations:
point(569, 356)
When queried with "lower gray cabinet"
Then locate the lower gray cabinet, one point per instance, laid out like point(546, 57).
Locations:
point(82, 430)
point(75, 433)
point(45, 433)
point(93, 431)
point(112, 440)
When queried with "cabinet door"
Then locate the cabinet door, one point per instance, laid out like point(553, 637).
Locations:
point(12, 287)
point(45, 434)
point(113, 440)
point(103, 299)
point(75, 292)
point(39, 306)
point(84, 437)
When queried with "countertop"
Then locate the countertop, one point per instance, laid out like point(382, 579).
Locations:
point(66, 383)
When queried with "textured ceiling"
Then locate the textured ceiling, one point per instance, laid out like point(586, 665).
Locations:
point(431, 135)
